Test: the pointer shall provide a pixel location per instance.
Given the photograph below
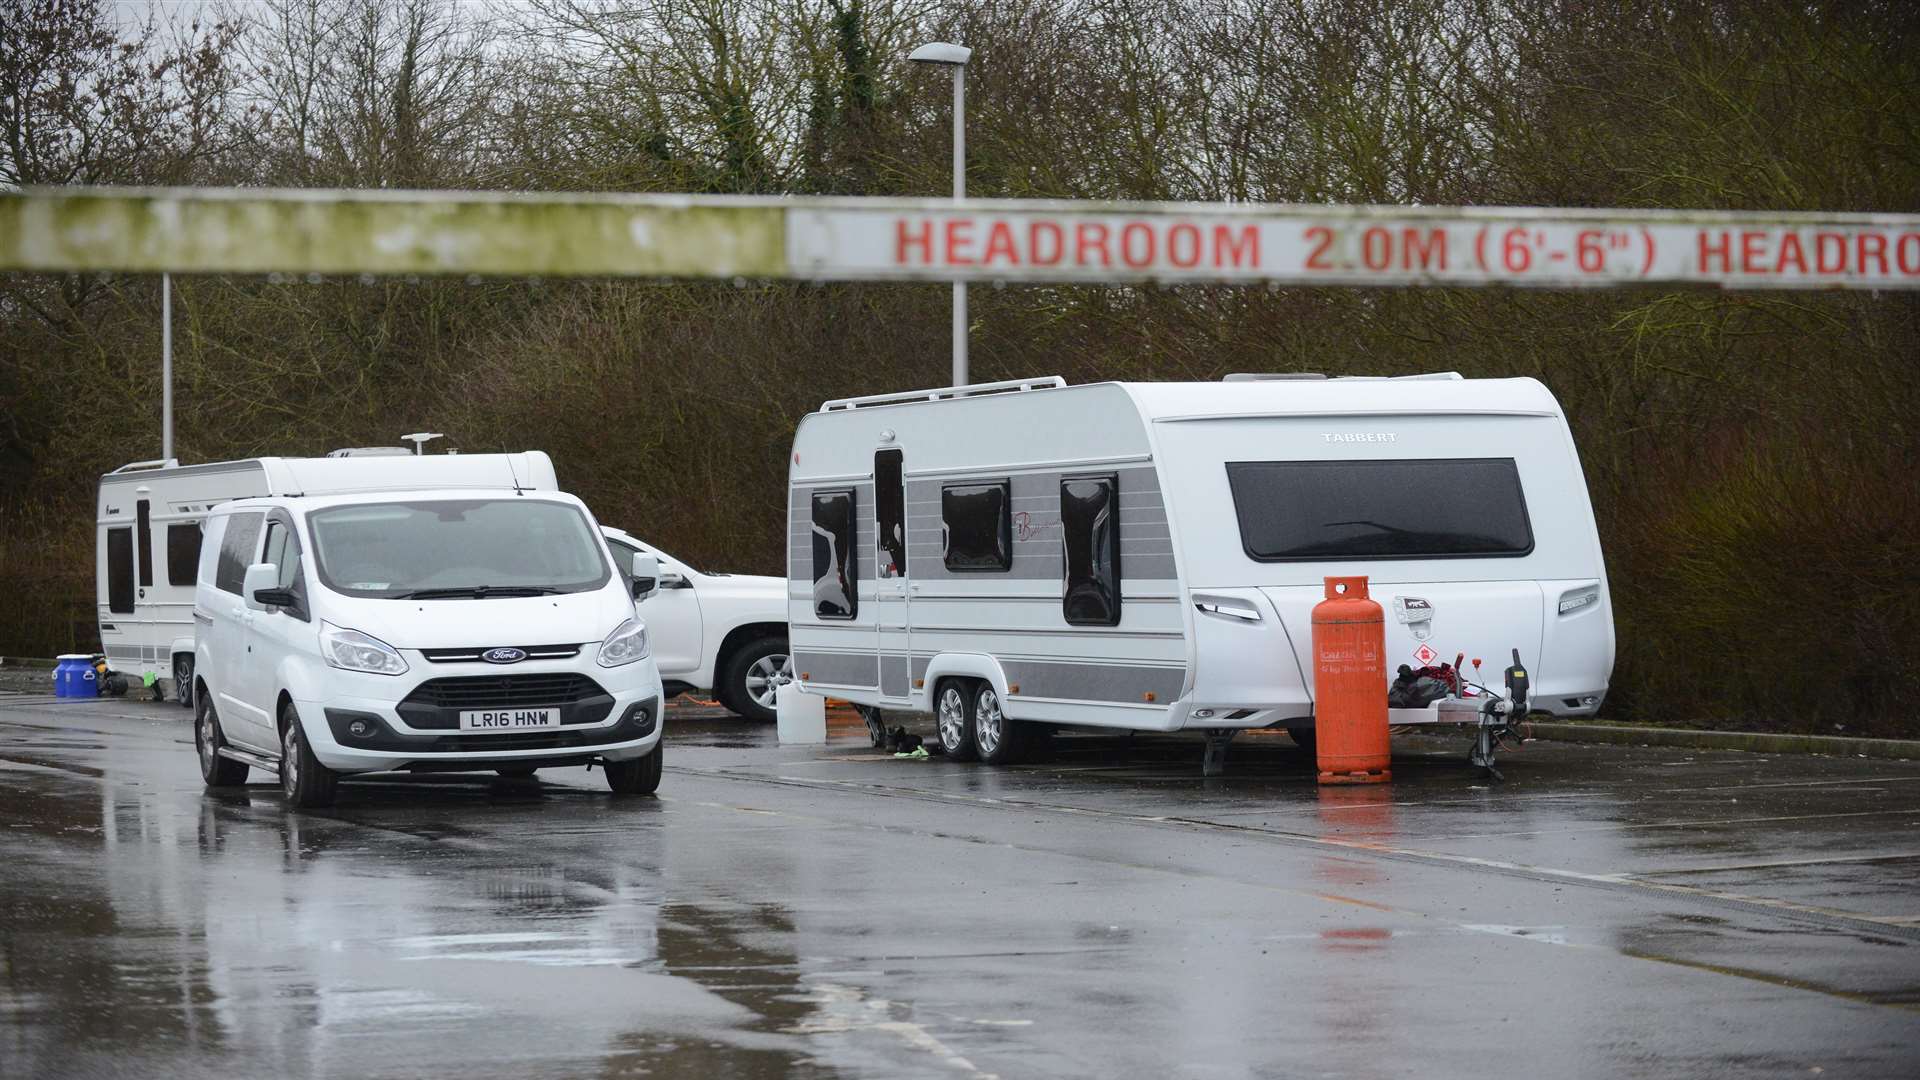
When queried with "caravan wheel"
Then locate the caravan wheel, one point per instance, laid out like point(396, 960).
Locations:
point(998, 739)
point(953, 720)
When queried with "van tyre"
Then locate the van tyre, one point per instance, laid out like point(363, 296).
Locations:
point(998, 740)
point(306, 783)
point(953, 720)
point(636, 776)
point(753, 676)
point(217, 771)
point(183, 679)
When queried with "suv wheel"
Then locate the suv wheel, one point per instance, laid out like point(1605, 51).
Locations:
point(754, 676)
point(305, 782)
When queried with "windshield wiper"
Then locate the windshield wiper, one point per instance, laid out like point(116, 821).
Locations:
point(477, 592)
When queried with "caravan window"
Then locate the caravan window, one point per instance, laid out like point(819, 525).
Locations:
point(120, 569)
point(1397, 509)
point(183, 552)
point(978, 527)
point(890, 514)
point(835, 591)
point(236, 552)
point(1090, 523)
point(143, 515)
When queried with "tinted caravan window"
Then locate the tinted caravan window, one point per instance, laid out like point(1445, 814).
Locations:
point(183, 552)
point(144, 514)
point(120, 569)
point(1090, 523)
point(834, 593)
point(1409, 509)
point(890, 514)
point(978, 527)
point(236, 552)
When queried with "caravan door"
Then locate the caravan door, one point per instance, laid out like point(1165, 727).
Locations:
point(892, 613)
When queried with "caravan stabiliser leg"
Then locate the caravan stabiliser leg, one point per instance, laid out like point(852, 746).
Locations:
point(1215, 761)
point(876, 724)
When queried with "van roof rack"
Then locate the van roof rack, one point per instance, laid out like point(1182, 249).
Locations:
point(1011, 386)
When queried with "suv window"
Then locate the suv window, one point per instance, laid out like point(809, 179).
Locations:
point(236, 552)
point(1428, 508)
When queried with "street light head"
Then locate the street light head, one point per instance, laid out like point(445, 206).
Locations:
point(941, 52)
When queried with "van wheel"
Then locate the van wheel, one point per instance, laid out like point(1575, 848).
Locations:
point(953, 720)
point(636, 776)
point(183, 679)
point(754, 676)
point(1303, 737)
point(305, 782)
point(215, 770)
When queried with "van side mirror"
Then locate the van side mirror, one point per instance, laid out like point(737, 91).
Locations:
point(646, 575)
point(260, 589)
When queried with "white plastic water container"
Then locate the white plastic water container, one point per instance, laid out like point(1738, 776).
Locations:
point(800, 717)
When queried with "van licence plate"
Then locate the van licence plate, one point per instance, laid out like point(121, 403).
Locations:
point(508, 719)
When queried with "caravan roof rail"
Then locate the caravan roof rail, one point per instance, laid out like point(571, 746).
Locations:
point(1273, 376)
point(1444, 376)
point(142, 466)
point(1010, 386)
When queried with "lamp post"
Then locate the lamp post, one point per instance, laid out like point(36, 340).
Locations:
point(955, 57)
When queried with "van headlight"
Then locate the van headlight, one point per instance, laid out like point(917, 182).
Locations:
point(351, 650)
point(1575, 599)
point(627, 643)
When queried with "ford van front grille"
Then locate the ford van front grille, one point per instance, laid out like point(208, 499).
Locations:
point(437, 703)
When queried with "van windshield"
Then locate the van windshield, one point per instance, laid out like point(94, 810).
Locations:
point(456, 549)
point(1404, 509)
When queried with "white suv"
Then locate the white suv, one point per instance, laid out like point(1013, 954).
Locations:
point(420, 630)
point(725, 633)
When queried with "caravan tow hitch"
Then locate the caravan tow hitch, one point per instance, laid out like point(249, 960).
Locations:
point(1499, 717)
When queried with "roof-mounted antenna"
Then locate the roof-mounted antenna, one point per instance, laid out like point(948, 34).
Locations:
point(420, 439)
point(507, 456)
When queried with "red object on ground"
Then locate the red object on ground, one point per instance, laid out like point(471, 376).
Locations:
point(1350, 685)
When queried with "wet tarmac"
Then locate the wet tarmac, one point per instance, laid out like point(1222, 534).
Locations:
point(831, 911)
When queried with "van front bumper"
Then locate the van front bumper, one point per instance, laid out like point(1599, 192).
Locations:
point(623, 721)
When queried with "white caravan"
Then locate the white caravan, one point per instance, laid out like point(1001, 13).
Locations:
point(451, 629)
point(148, 520)
point(1018, 556)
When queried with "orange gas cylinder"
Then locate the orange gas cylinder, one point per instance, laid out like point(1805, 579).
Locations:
point(1350, 685)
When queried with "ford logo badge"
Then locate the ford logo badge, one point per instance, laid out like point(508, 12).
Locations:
point(505, 655)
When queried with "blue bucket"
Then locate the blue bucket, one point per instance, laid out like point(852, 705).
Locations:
point(74, 676)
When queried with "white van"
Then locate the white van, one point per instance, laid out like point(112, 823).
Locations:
point(435, 630)
point(148, 529)
point(1022, 555)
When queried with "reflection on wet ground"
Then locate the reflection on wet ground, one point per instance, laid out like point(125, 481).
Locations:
point(837, 912)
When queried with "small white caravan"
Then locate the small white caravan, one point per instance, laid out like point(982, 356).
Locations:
point(148, 520)
point(1018, 556)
